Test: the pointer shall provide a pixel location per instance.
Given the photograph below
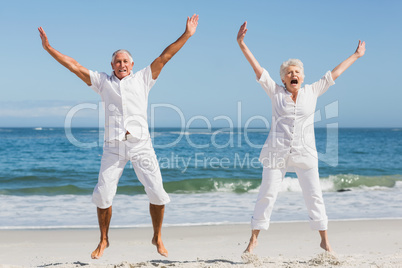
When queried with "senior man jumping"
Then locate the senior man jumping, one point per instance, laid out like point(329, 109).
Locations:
point(125, 95)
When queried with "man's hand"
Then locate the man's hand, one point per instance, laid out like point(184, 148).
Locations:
point(172, 49)
point(191, 25)
point(43, 36)
point(242, 32)
point(66, 61)
point(361, 49)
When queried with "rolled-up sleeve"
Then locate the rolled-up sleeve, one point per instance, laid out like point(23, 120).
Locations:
point(322, 85)
point(146, 75)
point(95, 81)
point(267, 83)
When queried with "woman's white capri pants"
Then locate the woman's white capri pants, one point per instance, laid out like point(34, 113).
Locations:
point(270, 186)
point(116, 154)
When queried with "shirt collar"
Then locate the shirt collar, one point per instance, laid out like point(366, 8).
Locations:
point(117, 79)
point(288, 93)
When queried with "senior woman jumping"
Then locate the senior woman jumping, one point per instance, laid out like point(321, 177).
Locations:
point(290, 145)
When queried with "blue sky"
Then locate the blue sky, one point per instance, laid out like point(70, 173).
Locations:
point(209, 79)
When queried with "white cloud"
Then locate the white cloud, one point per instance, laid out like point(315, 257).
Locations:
point(34, 109)
point(48, 113)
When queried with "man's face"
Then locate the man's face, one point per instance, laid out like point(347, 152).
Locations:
point(122, 65)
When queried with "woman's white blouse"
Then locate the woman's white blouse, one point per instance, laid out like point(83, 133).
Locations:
point(292, 127)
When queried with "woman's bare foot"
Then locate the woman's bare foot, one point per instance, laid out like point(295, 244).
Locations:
point(98, 252)
point(251, 245)
point(159, 246)
point(253, 241)
point(324, 241)
point(326, 246)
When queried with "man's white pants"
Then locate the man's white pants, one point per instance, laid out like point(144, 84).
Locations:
point(116, 154)
point(270, 186)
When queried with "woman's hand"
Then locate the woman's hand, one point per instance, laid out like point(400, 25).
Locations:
point(242, 32)
point(338, 70)
point(247, 53)
point(361, 49)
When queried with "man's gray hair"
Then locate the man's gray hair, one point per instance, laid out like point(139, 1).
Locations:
point(121, 51)
point(291, 62)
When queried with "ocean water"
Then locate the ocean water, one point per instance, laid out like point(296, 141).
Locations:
point(212, 176)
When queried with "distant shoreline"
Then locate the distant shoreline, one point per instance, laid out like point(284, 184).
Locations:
point(124, 227)
point(178, 128)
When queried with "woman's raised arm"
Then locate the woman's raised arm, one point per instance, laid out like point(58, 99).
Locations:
point(338, 70)
point(247, 53)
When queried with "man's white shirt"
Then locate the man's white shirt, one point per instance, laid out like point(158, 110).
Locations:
point(125, 101)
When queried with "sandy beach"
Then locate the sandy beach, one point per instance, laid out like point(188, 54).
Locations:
point(360, 243)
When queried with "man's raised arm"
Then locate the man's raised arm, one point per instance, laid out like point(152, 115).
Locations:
point(171, 50)
point(66, 61)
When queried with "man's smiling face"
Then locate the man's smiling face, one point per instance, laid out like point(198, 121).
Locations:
point(122, 65)
point(293, 78)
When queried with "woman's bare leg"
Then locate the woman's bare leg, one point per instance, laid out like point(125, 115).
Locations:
point(324, 241)
point(253, 241)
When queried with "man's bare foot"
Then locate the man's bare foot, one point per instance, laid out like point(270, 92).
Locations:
point(160, 247)
point(98, 252)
